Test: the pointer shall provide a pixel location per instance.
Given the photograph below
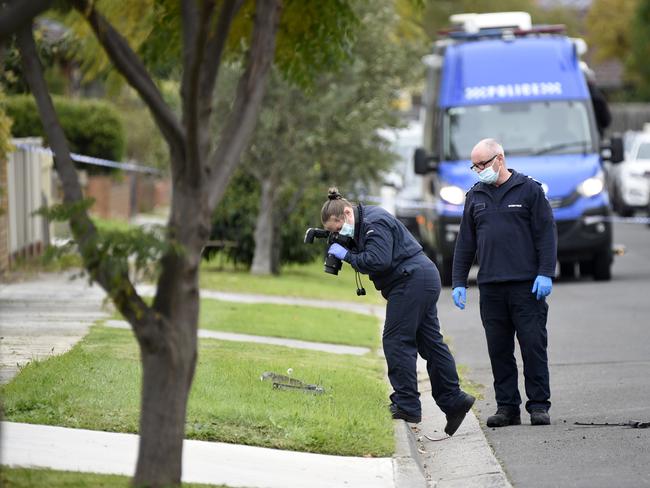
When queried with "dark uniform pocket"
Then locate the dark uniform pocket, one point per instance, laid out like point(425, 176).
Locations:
point(408, 269)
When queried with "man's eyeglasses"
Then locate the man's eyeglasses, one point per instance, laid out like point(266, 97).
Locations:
point(481, 165)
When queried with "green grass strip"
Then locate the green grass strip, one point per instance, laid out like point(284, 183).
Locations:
point(96, 386)
point(295, 322)
point(307, 281)
point(30, 478)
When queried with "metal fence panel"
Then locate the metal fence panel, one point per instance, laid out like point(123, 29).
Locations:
point(29, 188)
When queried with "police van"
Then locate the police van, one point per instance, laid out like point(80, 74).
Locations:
point(496, 75)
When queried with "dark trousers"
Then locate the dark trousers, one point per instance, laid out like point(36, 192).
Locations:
point(412, 327)
point(509, 309)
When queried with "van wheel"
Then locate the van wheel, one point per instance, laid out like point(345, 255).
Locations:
point(602, 265)
point(567, 269)
point(620, 207)
point(586, 268)
point(445, 268)
point(625, 211)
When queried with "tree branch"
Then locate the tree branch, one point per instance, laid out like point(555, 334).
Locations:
point(18, 14)
point(248, 99)
point(214, 51)
point(196, 24)
point(132, 68)
point(115, 281)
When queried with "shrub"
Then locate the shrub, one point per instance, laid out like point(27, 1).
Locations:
point(92, 127)
point(5, 127)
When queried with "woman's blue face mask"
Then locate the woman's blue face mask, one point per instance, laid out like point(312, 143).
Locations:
point(347, 230)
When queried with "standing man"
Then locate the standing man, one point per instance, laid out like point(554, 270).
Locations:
point(508, 225)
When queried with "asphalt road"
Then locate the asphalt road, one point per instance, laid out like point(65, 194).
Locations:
point(599, 352)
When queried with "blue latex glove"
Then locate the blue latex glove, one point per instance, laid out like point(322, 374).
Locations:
point(542, 286)
point(460, 296)
point(337, 250)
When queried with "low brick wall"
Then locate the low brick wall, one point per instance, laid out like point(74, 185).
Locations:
point(112, 196)
point(122, 196)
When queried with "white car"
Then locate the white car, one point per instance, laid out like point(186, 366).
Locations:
point(630, 179)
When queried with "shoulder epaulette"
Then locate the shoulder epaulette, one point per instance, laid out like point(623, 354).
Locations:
point(471, 188)
point(538, 182)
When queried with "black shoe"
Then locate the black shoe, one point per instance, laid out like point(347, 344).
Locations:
point(400, 414)
point(456, 418)
point(504, 417)
point(539, 417)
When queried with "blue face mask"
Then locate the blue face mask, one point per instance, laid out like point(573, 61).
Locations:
point(347, 230)
point(488, 176)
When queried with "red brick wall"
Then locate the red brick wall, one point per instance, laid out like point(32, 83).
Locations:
point(162, 193)
point(112, 196)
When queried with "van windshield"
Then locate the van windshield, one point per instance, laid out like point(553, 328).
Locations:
point(526, 129)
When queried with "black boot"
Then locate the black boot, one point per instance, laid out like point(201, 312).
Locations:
point(504, 416)
point(454, 419)
point(539, 416)
point(398, 413)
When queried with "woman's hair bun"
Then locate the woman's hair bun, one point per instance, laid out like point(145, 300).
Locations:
point(333, 194)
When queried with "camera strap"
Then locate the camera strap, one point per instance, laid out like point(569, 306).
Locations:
point(360, 289)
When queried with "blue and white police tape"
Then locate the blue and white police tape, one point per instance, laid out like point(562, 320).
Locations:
point(80, 158)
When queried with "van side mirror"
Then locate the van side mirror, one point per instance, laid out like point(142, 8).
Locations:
point(423, 162)
point(613, 151)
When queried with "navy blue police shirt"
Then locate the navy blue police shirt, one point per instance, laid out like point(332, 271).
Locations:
point(511, 231)
point(383, 246)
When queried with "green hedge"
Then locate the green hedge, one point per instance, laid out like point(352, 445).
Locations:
point(92, 127)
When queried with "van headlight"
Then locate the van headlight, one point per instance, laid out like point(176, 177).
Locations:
point(452, 194)
point(592, 186)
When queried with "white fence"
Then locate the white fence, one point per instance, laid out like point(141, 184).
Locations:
point(29, 181)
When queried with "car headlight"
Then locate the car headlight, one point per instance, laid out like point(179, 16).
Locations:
point(452, 194)
point(592, 186)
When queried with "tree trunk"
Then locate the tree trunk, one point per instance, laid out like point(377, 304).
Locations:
point(166, 379)
point(263, 257)
point(276, 252)
point(169, 361)
point(167, 332)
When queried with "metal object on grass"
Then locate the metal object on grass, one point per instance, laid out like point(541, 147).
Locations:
point(283, 382)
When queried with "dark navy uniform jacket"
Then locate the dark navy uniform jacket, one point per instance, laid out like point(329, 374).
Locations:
point(513, 236)
point(384, 247)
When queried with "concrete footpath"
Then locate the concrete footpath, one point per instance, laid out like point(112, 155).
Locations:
point(44, 317)
point(203, 462)
point(466, 460)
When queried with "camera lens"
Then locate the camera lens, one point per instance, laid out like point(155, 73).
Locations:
point(332, 264)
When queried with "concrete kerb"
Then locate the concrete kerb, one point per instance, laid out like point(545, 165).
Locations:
point(407, 461)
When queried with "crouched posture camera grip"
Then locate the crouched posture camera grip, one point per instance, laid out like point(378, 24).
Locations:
point(332, 263)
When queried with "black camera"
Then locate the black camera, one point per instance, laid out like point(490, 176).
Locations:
point(332, 264)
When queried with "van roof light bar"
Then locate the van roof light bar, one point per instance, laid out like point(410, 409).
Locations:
point(503, 32)
point(474, 23)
